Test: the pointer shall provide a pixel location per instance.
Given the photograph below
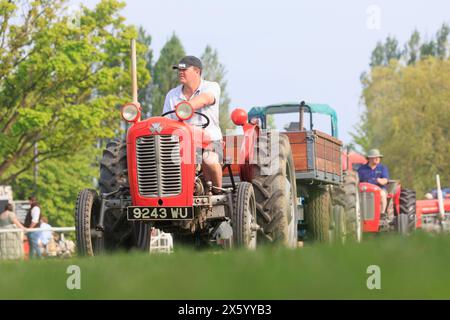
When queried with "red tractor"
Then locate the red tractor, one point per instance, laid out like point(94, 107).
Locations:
point(153, 179)
point(433, 213)
point(400, 213)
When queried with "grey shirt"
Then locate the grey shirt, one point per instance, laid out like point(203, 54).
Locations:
point(175, 96)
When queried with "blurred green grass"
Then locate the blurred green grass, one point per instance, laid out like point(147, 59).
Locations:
point(414, 267)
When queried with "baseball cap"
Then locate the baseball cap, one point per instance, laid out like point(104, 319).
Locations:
point(188, 61)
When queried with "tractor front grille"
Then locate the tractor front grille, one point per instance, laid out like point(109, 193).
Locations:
point(158, 165)
point(367, 205)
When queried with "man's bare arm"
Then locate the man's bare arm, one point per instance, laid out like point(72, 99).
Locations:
point(382, 181)
point(202, 100)
point(32, 225)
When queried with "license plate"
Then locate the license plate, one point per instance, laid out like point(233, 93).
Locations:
point(159, 213)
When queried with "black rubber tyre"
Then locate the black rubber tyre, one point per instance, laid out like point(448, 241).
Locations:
point(274, 184)
point(119, 233)
point(339, 227)
point(317, 214)
point(86, 218)
point(244, 217)
point(407, 217)
point(346, 196)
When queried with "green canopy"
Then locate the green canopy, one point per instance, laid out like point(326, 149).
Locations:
point(261, 112)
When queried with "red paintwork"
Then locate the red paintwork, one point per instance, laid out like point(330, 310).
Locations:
point(353, 157)
point(251, 133)
point(138, 118)
point(429, 207)
point(191, 137)
point(247, 151)
point(396, 197)
point(372, 225)
point(239, 117)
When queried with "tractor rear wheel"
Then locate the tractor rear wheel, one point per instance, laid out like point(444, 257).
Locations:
point(317, 214)
point(244, 216)
point(275, 188)
point(119, 232)
point(89, 241)
point(346, 196)
point(407, 215)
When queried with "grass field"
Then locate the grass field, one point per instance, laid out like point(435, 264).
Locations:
point(416, 267)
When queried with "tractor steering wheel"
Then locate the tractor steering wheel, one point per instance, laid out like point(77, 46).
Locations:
point(203, 125)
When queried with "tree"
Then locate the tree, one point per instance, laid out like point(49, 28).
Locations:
point(407, 110)
point(60, 82)
point(213, 70)
point(145, 92)
point(392, 50)
point(383, 53)
point(164, 77)
point(408, 118)
point(412, 50)
point(442, 46)
point(59, 182)
point(377, 58)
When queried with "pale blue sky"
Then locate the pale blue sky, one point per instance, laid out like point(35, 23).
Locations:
point(287, 50)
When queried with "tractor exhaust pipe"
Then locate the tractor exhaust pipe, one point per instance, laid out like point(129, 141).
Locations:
point(134, 82)
point(440, 199)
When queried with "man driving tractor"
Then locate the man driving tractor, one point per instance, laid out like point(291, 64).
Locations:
point(375, 173)
point(204, 97)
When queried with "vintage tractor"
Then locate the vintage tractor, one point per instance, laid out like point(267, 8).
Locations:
point(153, 179)
point(323, 202)
point(433, 213)
point(400, 213)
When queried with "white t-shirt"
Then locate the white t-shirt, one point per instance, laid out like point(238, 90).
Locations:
point(35, 212)
point(45, 236)
point(175, 96)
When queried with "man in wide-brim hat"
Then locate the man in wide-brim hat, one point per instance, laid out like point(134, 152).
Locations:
point(375, 173)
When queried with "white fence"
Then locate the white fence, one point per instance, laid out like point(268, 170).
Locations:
point(12, 245)
point(160, 242)
point(65, 229)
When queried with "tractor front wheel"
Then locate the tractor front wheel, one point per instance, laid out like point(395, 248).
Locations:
point(90, 242)
point(244, 216)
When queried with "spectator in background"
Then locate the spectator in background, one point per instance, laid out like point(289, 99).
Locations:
point(433, 194)
point(45, 235)
point(32, 220)
point(11, 244)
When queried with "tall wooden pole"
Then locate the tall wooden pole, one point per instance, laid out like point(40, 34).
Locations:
point(134, 85)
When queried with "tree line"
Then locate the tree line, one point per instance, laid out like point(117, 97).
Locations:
point(63, 78)
point(406, 99)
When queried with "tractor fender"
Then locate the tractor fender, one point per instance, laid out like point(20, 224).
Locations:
point(247, 151)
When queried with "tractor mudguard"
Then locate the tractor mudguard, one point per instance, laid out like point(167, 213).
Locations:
point(247, 151)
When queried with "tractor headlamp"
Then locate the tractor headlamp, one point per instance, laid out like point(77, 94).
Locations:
point(184, 110)
point(130, 112)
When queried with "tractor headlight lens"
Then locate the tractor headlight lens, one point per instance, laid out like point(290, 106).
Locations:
point(130, 112)
point(184, 111)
